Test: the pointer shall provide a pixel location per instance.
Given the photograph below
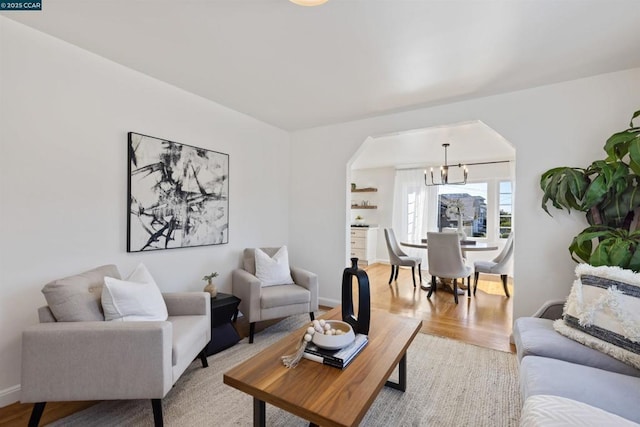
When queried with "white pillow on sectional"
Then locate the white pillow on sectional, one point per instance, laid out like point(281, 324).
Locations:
point(137, 298)
point(273, 270)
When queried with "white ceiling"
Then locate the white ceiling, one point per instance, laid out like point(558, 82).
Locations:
point(470, 142)
point(299, 67)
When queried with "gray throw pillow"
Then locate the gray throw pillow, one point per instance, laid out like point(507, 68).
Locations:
point(77, 298)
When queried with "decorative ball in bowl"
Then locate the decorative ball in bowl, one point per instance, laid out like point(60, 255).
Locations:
point(337, 335)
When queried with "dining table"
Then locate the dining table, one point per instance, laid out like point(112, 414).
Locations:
point(465, 246)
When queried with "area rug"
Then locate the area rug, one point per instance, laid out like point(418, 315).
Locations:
point(449, 384)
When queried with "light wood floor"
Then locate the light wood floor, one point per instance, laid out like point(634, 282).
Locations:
point(484, 320)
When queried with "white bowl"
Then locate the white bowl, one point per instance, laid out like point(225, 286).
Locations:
point(335, 342)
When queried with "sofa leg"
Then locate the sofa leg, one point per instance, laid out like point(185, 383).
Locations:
point(312, 316)
point(203, 358)
point(36, 414)
point(252, 330)
point(156, 404)
point(504, 284)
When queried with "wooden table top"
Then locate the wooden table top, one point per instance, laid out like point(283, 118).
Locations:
point(323, 394)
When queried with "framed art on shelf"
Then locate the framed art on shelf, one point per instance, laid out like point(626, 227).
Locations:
point(178, 195)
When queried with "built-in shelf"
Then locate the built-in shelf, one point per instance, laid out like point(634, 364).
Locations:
point(363, 207)
point(364, 190)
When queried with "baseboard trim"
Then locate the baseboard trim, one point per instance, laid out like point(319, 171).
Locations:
point(329, 302)
point(9, 395)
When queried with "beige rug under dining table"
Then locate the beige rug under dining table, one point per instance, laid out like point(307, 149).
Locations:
point(322, 394)
point(466, 247)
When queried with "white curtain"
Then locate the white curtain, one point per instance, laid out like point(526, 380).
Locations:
point(512, 170)
point(410, 209)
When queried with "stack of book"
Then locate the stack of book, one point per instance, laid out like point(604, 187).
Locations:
point(336, 358)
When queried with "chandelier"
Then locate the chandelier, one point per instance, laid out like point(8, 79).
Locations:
point(444, 172)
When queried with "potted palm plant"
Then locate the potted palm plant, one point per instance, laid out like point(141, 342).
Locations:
point(608, 192)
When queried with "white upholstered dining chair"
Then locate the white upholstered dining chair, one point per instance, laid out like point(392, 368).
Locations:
point(445, 261)
point(398, 258)
point(498, 265)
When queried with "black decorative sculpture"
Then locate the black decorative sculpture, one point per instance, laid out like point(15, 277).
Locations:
point(360, 324)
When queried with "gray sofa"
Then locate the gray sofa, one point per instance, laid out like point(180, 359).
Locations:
point(100, 360)
point(567, 383)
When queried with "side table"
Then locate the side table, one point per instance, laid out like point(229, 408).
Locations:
point(224, 307)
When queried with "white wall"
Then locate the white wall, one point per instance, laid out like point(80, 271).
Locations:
point(64, 118)
point(561, 124)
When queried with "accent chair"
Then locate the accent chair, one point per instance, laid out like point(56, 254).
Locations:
point(262, 301)
point(110, 360)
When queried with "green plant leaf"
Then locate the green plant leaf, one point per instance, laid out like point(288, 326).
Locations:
point(595, 192)
point(634, 153)
point(636, 114)
point(619, 252)
point(634, 166)
point(634, 261)
point(617, 146)
point(619, 205)
point(581, 247)
point(564, 187)
point(580, 252)
point(600, 256)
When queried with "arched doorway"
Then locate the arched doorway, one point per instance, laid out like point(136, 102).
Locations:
point(394, 166)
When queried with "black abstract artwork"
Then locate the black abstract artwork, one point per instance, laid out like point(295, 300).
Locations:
point(178, 195)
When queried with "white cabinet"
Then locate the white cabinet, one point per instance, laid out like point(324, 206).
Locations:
point(364, 241)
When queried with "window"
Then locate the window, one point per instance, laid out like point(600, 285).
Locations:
point(471, 199)
point(506, 206)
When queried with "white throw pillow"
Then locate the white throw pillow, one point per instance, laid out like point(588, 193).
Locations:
point(273, 271)
point(134, 299)
point(602, 312)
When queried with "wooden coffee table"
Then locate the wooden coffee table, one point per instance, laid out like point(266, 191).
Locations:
point(322, 394)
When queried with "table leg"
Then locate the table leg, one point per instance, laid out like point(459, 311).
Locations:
point(402, 375)
point(259, 413)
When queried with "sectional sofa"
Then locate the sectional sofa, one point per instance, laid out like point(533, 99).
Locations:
point(563, 382)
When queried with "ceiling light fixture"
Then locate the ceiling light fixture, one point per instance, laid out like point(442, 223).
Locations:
point(444, 170)
point(308, 2)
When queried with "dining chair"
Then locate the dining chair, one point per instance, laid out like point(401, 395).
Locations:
point(445, 261)
point(498, 265)
point(398, 258)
